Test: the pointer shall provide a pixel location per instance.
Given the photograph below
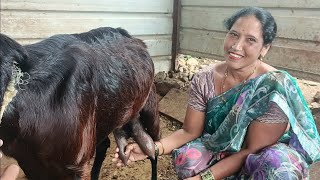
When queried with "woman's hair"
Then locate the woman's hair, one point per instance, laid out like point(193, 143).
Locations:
point(269, 26)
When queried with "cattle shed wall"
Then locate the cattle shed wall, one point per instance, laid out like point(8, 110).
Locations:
point(296, 48)
point(29, 21)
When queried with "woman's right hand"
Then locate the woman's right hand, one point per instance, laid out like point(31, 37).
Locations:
point(134, 152)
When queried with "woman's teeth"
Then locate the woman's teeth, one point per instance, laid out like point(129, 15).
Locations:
point(235, 55)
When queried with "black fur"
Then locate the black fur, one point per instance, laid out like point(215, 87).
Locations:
point(80, 87)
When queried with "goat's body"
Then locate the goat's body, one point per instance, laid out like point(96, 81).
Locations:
point(80, 88)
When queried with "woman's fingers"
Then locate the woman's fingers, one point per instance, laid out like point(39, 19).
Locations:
point(11, 172)
point(117, 161)
point(129, 148)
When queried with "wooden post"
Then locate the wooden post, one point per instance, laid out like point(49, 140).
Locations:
point(175, 33)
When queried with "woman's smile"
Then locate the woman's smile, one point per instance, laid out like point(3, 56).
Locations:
point(235, 56)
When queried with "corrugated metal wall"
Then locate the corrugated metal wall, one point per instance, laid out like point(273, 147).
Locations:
point(296, 49)
point(32, 20)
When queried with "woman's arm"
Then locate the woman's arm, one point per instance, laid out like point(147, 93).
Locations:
point(191, 129)
point(259, 135)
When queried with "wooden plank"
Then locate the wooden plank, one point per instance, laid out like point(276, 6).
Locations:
point(288, 27)
point(294, 59)
point(163, 6)
point(43, 25)
point(287, 12)
point(162, 63)
point(159, 50)
point(203, 19)
point(261, 3)
point(158, 47)
point(303, 28)
point(176, 33)
point(208, 42)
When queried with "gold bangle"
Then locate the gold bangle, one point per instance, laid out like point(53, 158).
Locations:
point(207, 175)
point(162, 147)
point(156, 150)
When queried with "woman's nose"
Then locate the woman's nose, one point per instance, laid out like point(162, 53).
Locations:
point(237, 45)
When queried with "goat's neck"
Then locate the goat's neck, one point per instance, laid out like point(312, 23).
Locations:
point(11, 91)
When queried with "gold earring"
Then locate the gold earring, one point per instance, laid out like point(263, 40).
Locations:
point(260, 58)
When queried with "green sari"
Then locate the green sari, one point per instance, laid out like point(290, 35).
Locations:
point(227, 121)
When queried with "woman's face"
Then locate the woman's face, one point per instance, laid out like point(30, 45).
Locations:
point(244, 43)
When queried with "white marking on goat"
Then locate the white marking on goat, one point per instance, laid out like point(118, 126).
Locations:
point(11, 91)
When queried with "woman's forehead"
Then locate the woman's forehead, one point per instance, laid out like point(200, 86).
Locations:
point(249, 25)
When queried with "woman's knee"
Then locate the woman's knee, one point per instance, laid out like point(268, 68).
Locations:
point(278, 162)
point(191, 159)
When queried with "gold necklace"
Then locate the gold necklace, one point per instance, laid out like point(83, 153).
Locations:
point(226, 75)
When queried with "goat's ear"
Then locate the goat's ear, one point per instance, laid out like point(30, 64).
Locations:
point(11, 51)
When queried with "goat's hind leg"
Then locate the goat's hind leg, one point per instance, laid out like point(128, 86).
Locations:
point(135, 130)
point(101, 150)
point(149, 117)
point(121, 135)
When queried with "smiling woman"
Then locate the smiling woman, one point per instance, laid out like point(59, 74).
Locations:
point(245, 119)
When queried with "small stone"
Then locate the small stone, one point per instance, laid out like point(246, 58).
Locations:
point(315, 107)
point(317, 97)
point(185, 79)
point(180, 69)
point(176, 75)
point(192, 68)
point(170, 74)
point(182, 62)
point(192, 62)
point(161, 76)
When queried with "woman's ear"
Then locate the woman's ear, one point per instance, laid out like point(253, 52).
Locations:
point(265, 49)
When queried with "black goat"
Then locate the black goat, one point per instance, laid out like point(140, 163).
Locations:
point(77, 89)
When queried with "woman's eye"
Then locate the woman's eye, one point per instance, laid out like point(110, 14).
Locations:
point(251, 39)
point(233, 34)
